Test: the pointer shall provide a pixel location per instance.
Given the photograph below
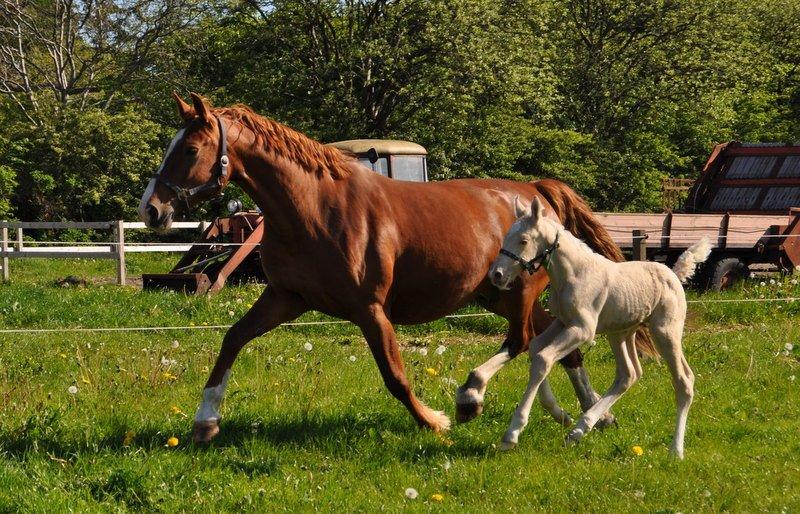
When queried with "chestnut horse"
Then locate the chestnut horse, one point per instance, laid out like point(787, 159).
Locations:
point(353, 244)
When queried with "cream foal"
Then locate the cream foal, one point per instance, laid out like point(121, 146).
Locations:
point(590, 294)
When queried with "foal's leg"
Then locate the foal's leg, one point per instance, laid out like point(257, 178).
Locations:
point(668, 342)
point(271, 309)
point(382, 342)
point(556, 342)
point(626, 376)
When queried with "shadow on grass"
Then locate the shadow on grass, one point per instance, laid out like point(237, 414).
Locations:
point(338, 435)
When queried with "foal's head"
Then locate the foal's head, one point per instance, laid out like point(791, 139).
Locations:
point(195, 166)
point(525, 245)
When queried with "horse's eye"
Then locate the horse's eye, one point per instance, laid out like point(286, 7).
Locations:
point(191, 150)
point(523, 242)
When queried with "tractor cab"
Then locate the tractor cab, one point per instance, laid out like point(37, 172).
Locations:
point(400, 160)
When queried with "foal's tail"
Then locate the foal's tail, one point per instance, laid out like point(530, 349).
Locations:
point(687, 263)
point(576, 216)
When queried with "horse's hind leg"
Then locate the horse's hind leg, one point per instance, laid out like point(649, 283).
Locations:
point(379, 332)
point(271, 309)
point(626, 376)
point(668, 342)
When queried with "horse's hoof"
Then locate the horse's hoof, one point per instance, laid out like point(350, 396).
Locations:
point(574, 437)
point(606, 421)
point(468, 411)
point(205, 431)
point(507, 445)
point(439, 422)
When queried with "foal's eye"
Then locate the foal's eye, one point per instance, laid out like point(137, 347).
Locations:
point(191, 150)
point(523, 242)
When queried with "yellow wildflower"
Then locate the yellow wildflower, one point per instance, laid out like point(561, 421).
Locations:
point(62, 355)
point(169, 376)
point(638, 451)
point(172, 441)
point(432, 372)
point(128, 438)
point(437, 497)
point(175, 410)
point(204, 369)
point(85, 380)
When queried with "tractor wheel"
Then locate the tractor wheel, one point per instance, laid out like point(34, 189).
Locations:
point(725, 272)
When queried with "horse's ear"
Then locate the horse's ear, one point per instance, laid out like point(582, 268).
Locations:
point(537, 209)
point(184, 110)
point(201, 108)
point(520, 209)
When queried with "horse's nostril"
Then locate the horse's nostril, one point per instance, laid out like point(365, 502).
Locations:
point(152, 212)
point(497, 275)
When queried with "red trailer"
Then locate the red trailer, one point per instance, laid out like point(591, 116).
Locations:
point(746, 200)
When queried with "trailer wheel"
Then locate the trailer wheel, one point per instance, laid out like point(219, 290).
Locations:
point(725, 272)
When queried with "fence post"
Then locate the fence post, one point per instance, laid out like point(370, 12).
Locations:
point(4, 252)
point(19, 239)
point(639, 248)
point(119, 231)
point(203, 227)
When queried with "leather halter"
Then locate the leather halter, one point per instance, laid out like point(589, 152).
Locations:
point(533, 265)
point(187, 193)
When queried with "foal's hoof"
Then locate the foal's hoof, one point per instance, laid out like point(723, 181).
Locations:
point(507, 445)
point(606, 420)
point(574, 437)
point(205, 431)
point(468, 411)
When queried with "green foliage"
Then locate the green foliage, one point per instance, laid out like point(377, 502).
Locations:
point(609, 96)
point(94, 166)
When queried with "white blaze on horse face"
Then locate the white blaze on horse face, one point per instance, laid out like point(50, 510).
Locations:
point(151, 186)
point(212, 398)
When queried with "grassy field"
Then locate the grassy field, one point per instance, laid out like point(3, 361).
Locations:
point(315, 430)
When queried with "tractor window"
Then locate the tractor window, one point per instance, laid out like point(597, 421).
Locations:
point(408, 167)
point(381, 165)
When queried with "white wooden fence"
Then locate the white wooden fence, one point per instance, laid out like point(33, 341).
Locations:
point(116, 249)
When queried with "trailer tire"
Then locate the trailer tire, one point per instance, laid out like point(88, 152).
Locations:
point(725, 272)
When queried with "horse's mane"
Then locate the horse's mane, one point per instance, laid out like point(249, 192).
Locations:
point(290, 144)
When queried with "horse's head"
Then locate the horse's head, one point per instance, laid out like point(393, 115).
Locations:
point(527, 245)
point(195, 166)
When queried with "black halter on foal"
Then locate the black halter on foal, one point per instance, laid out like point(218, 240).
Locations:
point(533, 265)
point(186, 193)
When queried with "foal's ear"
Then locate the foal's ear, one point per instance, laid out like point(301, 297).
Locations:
point(184, 110)
point(520, 209)
point(537, 209)
point(201, 108)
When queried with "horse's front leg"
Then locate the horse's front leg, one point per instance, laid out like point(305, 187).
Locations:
point(271, 309)
point(545, 350)
point(379, 332)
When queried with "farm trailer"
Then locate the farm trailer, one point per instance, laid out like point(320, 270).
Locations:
point(746, 201)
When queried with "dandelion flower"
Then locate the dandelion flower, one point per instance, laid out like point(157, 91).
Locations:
point(789, 347)
point(172, 441)
point(447, 464)
point(423, 351)
point(638, 451)
point(127, 439)
point(175, 344)
point(204, 369)
point(169, 376)
point(772, 281)
point(308, 347)
point(440, 349)
point(792, 378)
point(437, 497)
point(231, 313)
point(62, 355)
point(762, 284)
point(411, 493)
point(175, 410)
point(352, 358)
point(432, 372)
point(793, 281)
point(72, 389)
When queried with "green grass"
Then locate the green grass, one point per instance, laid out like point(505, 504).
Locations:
point(312, 430)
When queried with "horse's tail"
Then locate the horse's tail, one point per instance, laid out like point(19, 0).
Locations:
point(687, 263)
point(576, 216)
